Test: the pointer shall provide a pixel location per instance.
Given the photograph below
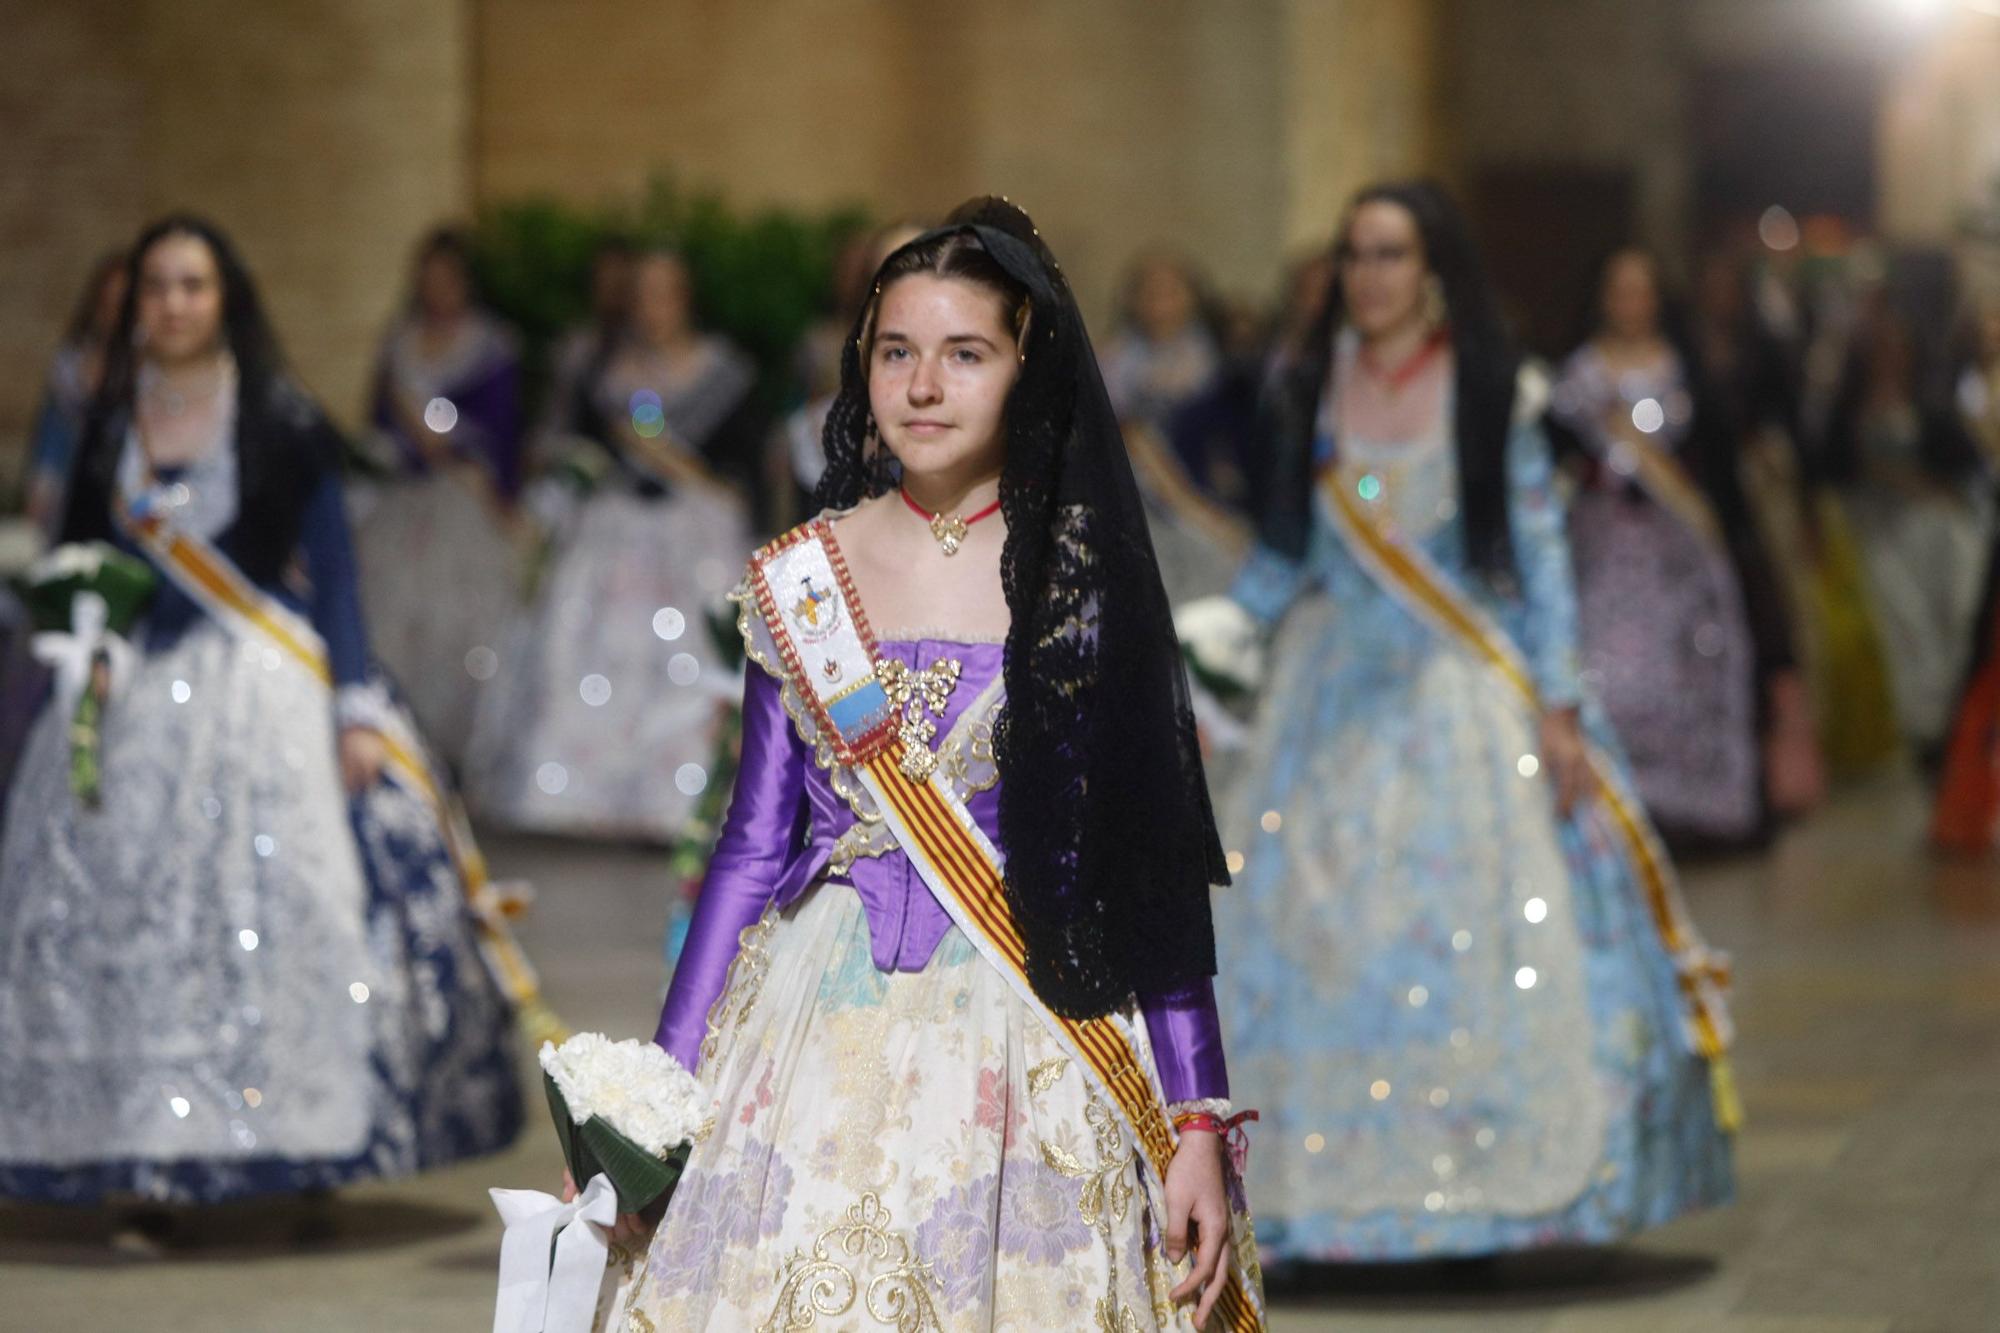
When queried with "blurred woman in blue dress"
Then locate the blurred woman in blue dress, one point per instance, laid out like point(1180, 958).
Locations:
point(74, 374)
point(1454, 970)
point(1165, 371)
point(245, 959)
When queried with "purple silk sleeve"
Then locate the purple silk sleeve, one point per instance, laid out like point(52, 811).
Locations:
point(760, 838)
point(1187, 1042)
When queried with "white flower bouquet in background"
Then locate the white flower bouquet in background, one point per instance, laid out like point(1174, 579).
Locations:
point(1224, 651)
point(625, 1110)
point(1223, 647)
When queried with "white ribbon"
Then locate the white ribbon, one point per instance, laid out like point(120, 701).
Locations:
point(70, 654)
point(537, 1296)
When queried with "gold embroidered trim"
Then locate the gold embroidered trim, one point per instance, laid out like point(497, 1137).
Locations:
point(741, 985)
point(1047, 1074)
point(967, 756)
point(1106, 1199)
point(858, 841)
point(899, 1296)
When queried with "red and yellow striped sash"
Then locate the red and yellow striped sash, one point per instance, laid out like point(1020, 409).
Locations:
point(938, 835)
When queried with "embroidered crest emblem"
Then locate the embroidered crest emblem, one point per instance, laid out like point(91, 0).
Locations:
point(816, 613)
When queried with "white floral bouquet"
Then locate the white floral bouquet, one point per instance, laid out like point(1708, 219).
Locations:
point(626, 1110)
point(628, 1115)
point(1223, 646)
point(83, 598)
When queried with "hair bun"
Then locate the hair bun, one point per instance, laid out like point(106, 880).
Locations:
point(997, 212)
point(1006, 221)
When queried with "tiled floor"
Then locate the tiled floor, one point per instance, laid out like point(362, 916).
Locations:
point(1869, 1001)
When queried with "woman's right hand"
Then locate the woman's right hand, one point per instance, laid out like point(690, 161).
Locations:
point(629, 1229)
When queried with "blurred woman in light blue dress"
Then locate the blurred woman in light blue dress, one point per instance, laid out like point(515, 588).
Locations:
point(1163, 366)
point(1453, 971)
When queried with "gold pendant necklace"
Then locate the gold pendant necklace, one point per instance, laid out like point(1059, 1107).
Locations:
point(949, 530)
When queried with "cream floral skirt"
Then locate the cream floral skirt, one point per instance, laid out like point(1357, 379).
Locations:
point(907, 1151)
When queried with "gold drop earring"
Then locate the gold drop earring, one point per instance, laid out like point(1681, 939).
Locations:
point(1436, 313)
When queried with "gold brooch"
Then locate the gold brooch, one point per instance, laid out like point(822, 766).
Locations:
point(911, 693)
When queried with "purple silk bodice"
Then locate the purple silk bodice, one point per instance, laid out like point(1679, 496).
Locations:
point(779, 837)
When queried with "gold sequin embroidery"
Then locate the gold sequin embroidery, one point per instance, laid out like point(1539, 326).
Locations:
point(741, 986)
point(1047, 1074)
point(966, 758)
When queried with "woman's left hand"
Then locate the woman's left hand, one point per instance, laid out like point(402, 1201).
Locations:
point(1195, 1195)
point(362, 754)
point(627, 1229)
point(1563, 757)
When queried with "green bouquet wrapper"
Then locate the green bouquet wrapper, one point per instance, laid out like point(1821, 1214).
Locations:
point(583, 465)
point(641, 1180)
point(49, 590)
point(1225, 687)
point(51, 584)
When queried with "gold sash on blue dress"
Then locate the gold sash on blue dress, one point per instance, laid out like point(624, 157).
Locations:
point(1419, 585)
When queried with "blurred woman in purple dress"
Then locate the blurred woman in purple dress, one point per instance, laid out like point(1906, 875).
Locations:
point(435, 526)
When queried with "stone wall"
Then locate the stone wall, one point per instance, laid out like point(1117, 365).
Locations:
point(1229, 132)
point(325, 135)
point(70, 185)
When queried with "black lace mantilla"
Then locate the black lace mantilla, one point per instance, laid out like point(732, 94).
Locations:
point(1104, 809)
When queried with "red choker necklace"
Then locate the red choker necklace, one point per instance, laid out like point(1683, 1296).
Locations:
point(1399, 379)
point(949, 529)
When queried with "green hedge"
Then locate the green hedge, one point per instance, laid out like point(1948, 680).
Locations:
point(761, 278)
